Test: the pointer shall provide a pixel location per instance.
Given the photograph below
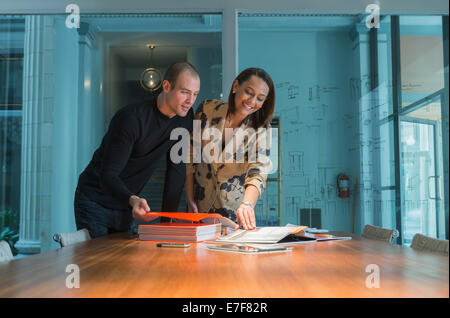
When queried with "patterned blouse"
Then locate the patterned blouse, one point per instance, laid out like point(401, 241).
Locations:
point(219, 185)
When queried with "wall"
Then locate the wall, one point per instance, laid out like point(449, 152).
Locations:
point(306, 6)
point(208, 62)
point(311, 71)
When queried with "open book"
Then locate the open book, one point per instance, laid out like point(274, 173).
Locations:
point(276, 234)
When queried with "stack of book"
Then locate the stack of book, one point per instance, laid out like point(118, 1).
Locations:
point(179, 232)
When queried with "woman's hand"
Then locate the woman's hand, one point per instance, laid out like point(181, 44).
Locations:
point(192, 207)
point(246, 217)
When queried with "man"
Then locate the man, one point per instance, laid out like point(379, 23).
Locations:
point(137, 137)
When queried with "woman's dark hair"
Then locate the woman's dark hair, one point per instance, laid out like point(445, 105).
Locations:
point(263, 116)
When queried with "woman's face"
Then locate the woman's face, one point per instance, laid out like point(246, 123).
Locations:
point(250, 95)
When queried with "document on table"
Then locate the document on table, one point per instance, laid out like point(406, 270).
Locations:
point(249, 248)
point(277, 234)
point(267, 234)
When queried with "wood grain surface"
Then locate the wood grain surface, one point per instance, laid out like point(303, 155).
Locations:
point(121, 266)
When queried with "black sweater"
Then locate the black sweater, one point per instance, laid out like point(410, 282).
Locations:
point(137, 137)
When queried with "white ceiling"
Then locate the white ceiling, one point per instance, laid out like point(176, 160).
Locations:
point(132, 47)
point(128, 36)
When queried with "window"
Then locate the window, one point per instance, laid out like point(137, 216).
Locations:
point(11, 73)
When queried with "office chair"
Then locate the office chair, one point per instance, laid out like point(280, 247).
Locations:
point(380, 234)
point(5, 252)
point(424, 243)
point(65, 239)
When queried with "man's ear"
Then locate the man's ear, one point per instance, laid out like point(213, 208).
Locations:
point(166, 86)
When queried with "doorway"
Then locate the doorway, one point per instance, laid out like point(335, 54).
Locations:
point(421, 169)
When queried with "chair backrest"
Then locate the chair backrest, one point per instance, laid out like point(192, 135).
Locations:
point(5, 252)
point(65, 239)
point(379, 233)
point(425, 243)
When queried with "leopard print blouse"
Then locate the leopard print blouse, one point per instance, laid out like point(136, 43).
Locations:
point(219, 184)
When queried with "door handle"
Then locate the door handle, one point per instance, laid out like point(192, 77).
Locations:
point(437, 188)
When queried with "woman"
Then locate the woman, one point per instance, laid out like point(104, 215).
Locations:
point(233, 188)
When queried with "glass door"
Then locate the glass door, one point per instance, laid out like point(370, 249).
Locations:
point(421, 169)
point(420, 89)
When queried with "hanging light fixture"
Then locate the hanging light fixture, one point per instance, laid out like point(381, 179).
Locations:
point(151, 78)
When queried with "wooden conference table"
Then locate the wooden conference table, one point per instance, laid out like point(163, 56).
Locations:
point(121, 266)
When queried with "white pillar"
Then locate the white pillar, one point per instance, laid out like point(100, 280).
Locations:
point(229, 49)
point(37, 124)
point(360, 88)
point(64, 137)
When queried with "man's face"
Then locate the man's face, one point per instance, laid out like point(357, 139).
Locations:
point(183, 94)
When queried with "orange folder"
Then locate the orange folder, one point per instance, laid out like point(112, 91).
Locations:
point(194, 217)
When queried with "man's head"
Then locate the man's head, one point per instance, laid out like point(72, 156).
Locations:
point(181, 86)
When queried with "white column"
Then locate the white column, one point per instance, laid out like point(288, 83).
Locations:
point(37, 124)
point(229, 49)
point(64, 137)
point(360, 87)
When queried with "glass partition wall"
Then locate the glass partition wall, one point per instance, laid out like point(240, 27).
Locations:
point(411, 72)
point(60, 84)
point(420, 116)
point(355, 101)
point(315, 62)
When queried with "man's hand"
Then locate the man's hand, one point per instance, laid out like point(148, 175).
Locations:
point(140, 208)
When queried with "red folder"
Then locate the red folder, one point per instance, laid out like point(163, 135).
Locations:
point(194, 217)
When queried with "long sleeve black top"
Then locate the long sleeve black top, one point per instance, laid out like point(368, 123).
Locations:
point(137, 137)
